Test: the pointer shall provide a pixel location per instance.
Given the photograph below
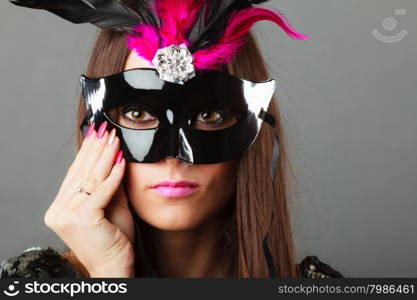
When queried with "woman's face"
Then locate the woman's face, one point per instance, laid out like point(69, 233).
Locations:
point(216, 185)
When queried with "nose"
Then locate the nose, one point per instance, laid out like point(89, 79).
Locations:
point(175, 161)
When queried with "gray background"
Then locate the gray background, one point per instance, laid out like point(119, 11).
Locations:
point(349, 109)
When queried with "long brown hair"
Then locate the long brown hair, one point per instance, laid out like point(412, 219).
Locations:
point(257, 201)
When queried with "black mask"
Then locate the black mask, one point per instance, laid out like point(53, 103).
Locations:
point(212, 118)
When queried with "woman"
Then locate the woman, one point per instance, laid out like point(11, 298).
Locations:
point(230, 217)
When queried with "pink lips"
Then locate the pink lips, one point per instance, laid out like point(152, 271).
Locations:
point(175, 188)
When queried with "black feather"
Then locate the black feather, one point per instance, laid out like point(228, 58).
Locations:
point(110, 14)
point(147, 9)
point(255, 2)
point(121, 15)
point(212, 21)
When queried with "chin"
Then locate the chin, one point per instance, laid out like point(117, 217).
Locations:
point(172, 217)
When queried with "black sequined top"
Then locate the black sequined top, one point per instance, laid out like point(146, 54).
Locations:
point(38, 262)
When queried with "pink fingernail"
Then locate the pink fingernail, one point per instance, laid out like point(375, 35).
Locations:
point(90, 129)
point(112, 136)
point(102, 129)
point(119, 157)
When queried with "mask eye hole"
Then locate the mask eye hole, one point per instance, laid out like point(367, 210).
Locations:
point(215, 119)
point(134, 117)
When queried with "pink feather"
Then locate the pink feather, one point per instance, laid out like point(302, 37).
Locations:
point(146, 42)
point(235, 35)
point(177, 17)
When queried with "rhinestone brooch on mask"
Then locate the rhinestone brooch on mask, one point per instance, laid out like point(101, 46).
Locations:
point(174, 64)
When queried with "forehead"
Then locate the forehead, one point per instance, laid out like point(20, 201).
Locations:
point(134, 61)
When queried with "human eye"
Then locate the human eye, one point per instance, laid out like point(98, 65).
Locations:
point(136, 118)
point(215, 119)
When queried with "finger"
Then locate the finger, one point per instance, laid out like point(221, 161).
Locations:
point(107, 189)
point(82, 152)
point(118, 213)
point(91, 149)
point(69, 196)
point(89, 155)
point(94, 152)
point(101, 170)
point(120, 197)
point(82, 192)
point(106, 161)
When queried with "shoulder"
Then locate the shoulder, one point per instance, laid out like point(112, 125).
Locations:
point(38, 262)
point(313, 267)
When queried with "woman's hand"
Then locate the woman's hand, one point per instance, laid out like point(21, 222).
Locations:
point(98, 228)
